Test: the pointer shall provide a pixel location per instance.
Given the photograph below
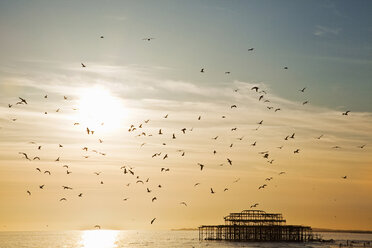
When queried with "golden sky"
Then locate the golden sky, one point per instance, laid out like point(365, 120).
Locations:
point(129, 81)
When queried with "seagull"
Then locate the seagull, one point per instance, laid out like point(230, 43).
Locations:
point(201, 166)
point(80, 195)
point(97, 226)
point(250, 49)
point(254, 205)
point(10, 105)
point(148, 39)
point(215, 138)
point(66, 187)
point(346, 113)
point(101, 37)
point(47, 172)
point(196, 184)
point(344, 177)
point(319, 136)
point(152, 221)
point(281, 173)
point(28, 192)
point(42, 186)
point(38, 169)
point(277, 109)
point(227, 72)
point(305, 102)
point(254, 144)
point(262, 186)
point(255, 88)
point(302, 90)
point(173, 136)
point(259, 99)
point(63, 199)
point(183, 130)
point(183, 203)
point(361, 147)
point(153, 199)
point(148, 190)
point(126, 199)
point(233, 106)
point(297, 151)
point(226, 189)
point(57, 159)
point(166, 116)
point(202, 70)
point(24, 154)
point(229, 161)
point(269, 179)
point(22, 100)
point(160, 133)
point(292, 136)
point(336, 147)
point(199, 117)
point(82, 65)
point(237, 180)
point(165, 156)
point(97, 173)
point(38, 158)
point(285, 67)
point(140, 181)
point(212, 192)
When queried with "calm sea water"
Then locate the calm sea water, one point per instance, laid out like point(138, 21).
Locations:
point(163, 239)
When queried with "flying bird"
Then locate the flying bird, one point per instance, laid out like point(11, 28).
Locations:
point(82, 65)
point(229, 161)
point(22, 100)
point(28, 192)
point(346, 113)
point(212, 192)
point(201, 166)
point(250, 49)
point(255, 88)
point(97, 226)
point(148, 38)
point(183, 203)
point(152, 221)
point(303, 89)
point(63, 199)
point(24, 154)
point(202, 70)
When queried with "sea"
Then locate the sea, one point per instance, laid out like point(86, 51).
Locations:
point(156, 239)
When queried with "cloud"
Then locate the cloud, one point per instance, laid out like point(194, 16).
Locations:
point(325, 31)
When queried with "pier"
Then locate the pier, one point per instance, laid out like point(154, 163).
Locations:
point(256, 226)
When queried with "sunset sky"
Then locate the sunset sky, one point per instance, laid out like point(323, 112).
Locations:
point(326, 45)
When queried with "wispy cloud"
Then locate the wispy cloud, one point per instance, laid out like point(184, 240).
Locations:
point(324, 31)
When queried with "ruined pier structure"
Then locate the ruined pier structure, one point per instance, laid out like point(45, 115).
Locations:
point(256, 226)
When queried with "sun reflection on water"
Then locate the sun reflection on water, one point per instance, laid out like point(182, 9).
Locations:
point(99, 239)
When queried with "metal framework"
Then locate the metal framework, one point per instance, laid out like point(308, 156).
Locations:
point(256, 225)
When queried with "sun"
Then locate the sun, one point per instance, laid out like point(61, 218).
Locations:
point(99, 109)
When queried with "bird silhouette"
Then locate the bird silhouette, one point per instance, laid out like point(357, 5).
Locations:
point(344, 177)
point(24, 154)
point(23, 101)
point(303, 89)
point(97, 226)
point(296, 151)
point(82, 65)
point(28, 192)
point(202, 70)
point(250, 49)
point(346, 113)
point(148, 39)
point(152, 221)
point(254, 205)
point(63, 199)
point(201, 166)
point(183, 203)
point(229, 161)
point(212, 192)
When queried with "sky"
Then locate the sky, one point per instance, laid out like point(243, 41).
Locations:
point(127, 80)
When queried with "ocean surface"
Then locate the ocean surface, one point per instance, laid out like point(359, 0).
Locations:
point(163, 239)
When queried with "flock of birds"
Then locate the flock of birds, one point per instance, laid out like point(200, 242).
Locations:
point(140, 131)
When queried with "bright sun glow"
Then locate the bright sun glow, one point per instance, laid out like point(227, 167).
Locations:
point(98, 109)
point(99, 239)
